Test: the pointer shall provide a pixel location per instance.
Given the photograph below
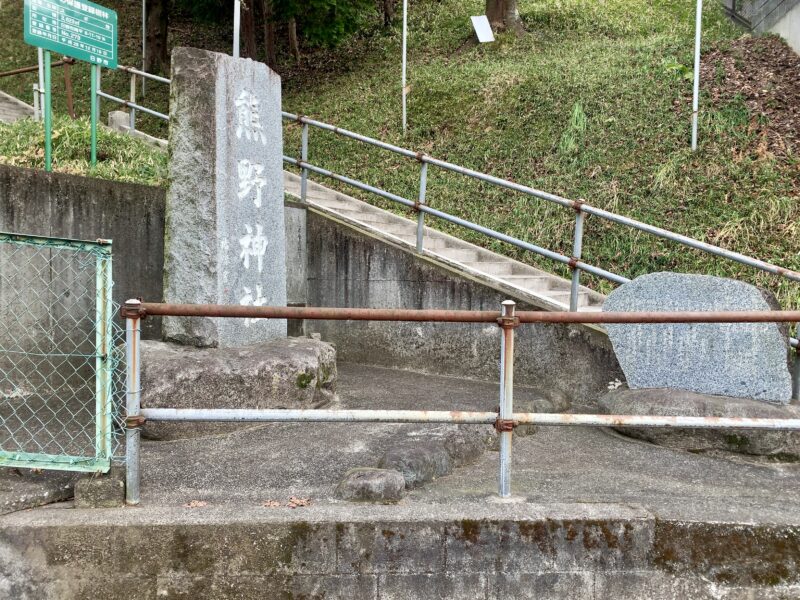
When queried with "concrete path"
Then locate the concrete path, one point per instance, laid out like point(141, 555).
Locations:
point(555, 465)
point(540, 288)
point(595, 517)
point(12, 109)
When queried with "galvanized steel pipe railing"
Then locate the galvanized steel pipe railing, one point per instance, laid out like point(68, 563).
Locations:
point(131, 104)
point(504, 421)
point(133, 395)
point(581, 207)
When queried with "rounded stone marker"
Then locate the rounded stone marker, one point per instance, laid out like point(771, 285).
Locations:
point(368, 484)
point(743, 360)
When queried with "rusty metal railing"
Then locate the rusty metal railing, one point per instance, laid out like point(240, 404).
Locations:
point(38, 93)
point(504, 420)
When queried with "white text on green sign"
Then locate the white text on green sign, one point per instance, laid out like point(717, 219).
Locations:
point(82, 30)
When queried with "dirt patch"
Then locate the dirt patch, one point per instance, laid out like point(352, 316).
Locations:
point(764, 72)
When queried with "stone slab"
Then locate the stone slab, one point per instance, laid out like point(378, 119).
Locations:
point(21, 489)
point(661, 402)
point(104, 490)
point(225, 231)
point(366, 484)
point(284, 373)
point(745, 360)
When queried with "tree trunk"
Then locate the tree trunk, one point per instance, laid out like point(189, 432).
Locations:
point(156, 51)
point(293, 39)
point(388, 13)
point(248, 29)
point(269, 33)
point(503, 15)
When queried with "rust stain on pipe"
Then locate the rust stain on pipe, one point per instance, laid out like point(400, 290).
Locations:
point(459, 316)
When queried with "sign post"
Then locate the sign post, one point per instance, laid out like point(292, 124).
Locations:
point(48, 115)
point(95, 71)
point(76, 28)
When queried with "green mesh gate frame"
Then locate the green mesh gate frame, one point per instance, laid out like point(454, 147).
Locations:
point(59, 354)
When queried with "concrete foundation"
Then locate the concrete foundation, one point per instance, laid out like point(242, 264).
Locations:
point(470, 552)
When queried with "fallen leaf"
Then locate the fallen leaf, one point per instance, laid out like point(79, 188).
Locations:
point(295, 502)
point(272, 504)
point(195, 504)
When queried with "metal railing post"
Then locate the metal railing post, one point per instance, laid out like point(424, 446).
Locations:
point(304, 159)
point(796, 369)
point(698, 28)
point(133, 101)
point(423, 184)
point(104, 281)
point(577, 249)
point(132, 400)
point(505, 422)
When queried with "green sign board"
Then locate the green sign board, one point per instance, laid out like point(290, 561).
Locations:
point(82, 30)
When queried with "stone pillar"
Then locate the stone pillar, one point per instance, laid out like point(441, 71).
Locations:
point(225, 233)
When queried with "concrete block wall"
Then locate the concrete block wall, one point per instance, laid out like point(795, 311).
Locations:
point(579, 552)
point(776, 16)
point(54, 204)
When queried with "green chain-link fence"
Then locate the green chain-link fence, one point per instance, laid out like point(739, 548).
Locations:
point(61, 377)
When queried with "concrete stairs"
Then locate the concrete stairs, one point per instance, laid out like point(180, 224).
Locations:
point(12, 109)
point(540, 288)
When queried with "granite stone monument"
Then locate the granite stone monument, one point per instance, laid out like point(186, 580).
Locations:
point(744, 360)
point(225, 236)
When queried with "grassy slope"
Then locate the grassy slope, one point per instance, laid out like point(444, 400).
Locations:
point(505, 109)
point(120, 157)
point(509, 108)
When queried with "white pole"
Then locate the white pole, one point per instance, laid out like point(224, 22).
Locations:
point(144, 40)
point(40, 55)
point(405, 38)
point(237, 18)
point(698, 27)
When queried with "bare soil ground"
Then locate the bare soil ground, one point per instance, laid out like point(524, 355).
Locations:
point(765, 72)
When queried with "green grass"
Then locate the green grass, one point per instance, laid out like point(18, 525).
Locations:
point(593, 103)
point(120, 157)
point(589, 104)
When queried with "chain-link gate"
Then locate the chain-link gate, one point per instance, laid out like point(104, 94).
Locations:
point(59, 354)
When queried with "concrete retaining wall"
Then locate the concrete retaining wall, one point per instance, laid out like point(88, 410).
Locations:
point(576, 552)
point(54, 204)
point(348, 268)
point(328, 264)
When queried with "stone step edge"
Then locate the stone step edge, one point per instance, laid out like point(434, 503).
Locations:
point(590, 537)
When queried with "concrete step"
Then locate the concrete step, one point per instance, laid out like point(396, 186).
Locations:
point(563, 297)
point(491, 268)
point(463, 255)
point(398, 227)
point(430, 242)
point(367, 216)
point(535, 283)
point(328, 200)
point(551, 289)
point(12, 109)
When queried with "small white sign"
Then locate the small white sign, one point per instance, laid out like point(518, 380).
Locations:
point(482, 29)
